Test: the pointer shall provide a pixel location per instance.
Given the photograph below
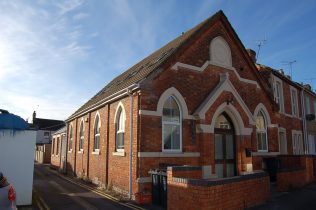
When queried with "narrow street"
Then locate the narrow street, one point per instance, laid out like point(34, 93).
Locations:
point(60, 194)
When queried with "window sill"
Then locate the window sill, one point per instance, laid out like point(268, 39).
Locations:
point(80, 151)
point(96, 152)
point(70, 151)
point(119, 153)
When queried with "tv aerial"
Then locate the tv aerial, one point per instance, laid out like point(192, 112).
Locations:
point(260, 43)
point(290, 64)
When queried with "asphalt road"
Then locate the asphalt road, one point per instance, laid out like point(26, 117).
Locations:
point(60, 194)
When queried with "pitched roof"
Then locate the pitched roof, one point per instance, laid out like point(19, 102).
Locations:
point(47, 124)
point(143, 69)
point(140, 71)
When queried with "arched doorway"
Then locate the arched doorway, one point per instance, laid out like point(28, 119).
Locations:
point(225, 147)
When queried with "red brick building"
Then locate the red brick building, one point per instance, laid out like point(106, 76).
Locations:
point(199, 100)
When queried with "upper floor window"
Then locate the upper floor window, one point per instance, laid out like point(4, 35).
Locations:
point(46, 134)
point(307, 105)
point(297, 143)
point(261, 127)
point(70, 139)
point(120, 129)
point(97, 133)
point(279, 95)
point(294, 102)
point(171, 125)
point(81, 134)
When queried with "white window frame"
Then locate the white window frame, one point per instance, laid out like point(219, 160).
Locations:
point(96, 150)
point(163, 123)
point(263, 131)
point(295, 144)
point(309, 143)
point(294, 103)
point(279, 99)
point(121, 128)
point(307, 105)
point(282, 130)
point(81, 137)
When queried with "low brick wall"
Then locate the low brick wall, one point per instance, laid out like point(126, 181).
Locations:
point(290, 178)
point(230, 193)
point(296, 171)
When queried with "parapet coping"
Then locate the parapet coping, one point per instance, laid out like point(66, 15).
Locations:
point(184, 168)
point(222, 181)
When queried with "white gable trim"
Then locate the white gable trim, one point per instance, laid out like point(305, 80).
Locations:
point(164, 96)
point(224, 85)
point(180, 65)
point(261, 107)
point(234, 115)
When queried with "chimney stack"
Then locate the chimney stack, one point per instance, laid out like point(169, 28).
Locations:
point(252, 55)
point(34, 116)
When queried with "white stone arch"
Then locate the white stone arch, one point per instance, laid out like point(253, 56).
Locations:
point(81, 121)
point(95, 117)
point(235, 117)
point(179, 99)
point(120, 105)
point(263, 109)
point(220, 52)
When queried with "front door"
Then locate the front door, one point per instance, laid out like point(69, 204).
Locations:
point(225, 155)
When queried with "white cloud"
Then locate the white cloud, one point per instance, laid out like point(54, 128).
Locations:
point(37, 47)
point(69, 5)
point(80, 16)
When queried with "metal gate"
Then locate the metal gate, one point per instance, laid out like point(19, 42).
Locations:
point(159, 187)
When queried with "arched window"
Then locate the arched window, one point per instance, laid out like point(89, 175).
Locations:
point(81, 134)
point(70, 139)
point(261, 126)
point(120, 129)
point(171, 125)
point(97, 133)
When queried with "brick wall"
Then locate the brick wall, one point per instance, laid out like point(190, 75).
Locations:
point(232, 193)
point(295, 172)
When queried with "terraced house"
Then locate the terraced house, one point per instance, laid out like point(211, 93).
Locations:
point(198, 104)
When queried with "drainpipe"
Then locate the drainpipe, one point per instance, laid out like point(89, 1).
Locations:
point(131, 144)
point(75, 151)
point(304, 121)
point(88, 155)
point(107, 148)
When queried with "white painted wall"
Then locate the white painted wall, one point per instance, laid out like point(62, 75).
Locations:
point(17, 162)
point(41, 139)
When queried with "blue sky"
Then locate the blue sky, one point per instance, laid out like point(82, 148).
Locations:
point(55, 55)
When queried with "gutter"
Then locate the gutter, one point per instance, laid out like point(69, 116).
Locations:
point(106, 100)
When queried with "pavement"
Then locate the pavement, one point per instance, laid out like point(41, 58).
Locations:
point(57, 192)
point(299, 199)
